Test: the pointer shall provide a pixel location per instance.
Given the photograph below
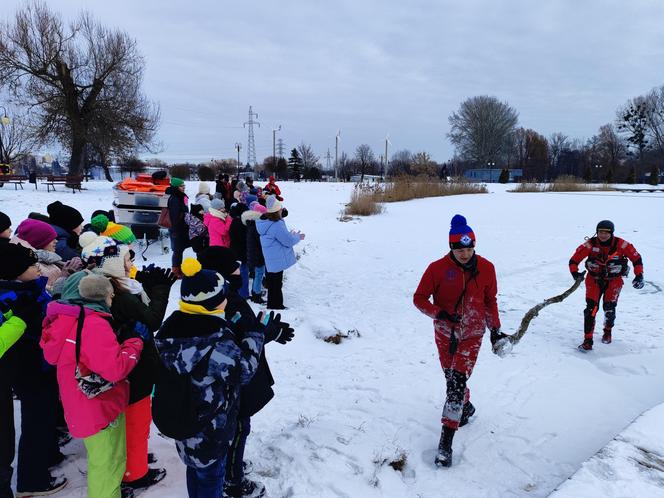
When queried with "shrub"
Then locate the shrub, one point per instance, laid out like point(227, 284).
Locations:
point(182, 171)
point(405, 188)
point(206, 174)
point(528, 187)
point(362, 203)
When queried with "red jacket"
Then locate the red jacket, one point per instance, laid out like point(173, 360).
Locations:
point(100, 353)
point(445, 280)
point(606, 261)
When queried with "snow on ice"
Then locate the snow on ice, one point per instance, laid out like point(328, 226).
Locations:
point(343, 412)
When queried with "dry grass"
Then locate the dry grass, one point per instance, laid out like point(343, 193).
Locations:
point(365, 198)
point(564, 183)
point(362, 203)
point(405, 188)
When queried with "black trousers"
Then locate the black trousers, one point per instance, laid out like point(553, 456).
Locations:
point(38, 443)
point(7, 438)
point(274, 282)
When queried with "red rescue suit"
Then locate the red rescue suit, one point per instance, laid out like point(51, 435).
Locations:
point(607, 265)
point(470, 293)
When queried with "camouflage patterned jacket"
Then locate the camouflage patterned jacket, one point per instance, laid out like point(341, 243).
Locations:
point(186, 341)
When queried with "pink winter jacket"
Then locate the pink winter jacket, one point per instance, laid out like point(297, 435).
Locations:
point(100, 353)
point(218, 229)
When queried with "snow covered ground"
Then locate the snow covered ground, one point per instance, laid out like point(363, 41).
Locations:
point(342, 412)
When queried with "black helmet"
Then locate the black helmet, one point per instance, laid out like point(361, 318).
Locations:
point(606, 225)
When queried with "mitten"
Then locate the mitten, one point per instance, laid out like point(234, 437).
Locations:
point(576, 275)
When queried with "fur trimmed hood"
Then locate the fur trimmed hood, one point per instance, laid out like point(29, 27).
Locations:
point(250, 216)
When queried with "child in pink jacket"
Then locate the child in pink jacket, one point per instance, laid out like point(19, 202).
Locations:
point(95, 416)
point(218, 224)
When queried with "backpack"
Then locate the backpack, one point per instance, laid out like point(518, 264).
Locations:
point(176, 405)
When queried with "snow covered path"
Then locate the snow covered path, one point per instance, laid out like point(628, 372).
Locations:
point(341, 410)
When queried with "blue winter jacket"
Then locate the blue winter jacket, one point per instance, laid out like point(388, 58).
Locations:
point(277, 243)
point(229, 366)
point(62, 247)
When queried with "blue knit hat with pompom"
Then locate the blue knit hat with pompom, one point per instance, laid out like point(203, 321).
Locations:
point(461, 235)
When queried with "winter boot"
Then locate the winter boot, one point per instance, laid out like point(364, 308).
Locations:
point(56, 484)
point(126, 491)
point(246, 489)
point(257, 298)
point(586, 345)
point(444, 456)
point(177, 272)
point(153, 476)
point(152, 458)
point(468, 411)
point(606, 337)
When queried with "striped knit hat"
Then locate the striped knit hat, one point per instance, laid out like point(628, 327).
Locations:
point(103, 226)
point(461, 235)
point(204, 288)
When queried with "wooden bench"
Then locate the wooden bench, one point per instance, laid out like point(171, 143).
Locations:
point(17, 180)
point(72, 182)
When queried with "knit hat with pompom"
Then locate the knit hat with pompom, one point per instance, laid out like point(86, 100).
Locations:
point(103, 226)
point(201, 287)
point(461, 235)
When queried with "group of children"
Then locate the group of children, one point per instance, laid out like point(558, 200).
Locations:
point(84, 347)
point(248, 220)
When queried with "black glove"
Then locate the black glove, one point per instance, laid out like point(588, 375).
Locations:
point(638, 283)
point(163, 276)
point(497, 335)
point(286, 334)
point(444, 315)
point(278, 331)
point(22, 307)
point(578, 275)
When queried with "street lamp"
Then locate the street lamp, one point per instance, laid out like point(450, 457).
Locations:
point(336, 154)
point(4, 120)
point(238, 148)
point(598, 168)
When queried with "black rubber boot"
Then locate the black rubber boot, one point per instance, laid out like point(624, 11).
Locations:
point(468, 411)
point(153, 476)
point(444, 456)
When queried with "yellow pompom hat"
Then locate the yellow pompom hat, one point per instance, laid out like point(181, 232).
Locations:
point(200, 287)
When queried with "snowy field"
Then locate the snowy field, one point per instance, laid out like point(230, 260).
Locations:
point(341, 412)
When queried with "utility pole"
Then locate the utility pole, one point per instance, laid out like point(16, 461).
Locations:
point(336, 154)
point(328, 159)
point(274, 146)
point(280, 147)
point(251, 145)
point(238, 148)
point(387, 141)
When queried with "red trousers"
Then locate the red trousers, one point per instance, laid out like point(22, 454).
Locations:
point(457, 365)
point(607, 291)
point(138, 419)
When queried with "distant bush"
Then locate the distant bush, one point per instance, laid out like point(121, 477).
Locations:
point(206, 174)
point(405, 188)
point(362, 203)
point(182, 171)
point(564, 183)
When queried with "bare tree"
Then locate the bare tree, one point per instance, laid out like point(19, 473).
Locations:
point(480, 127)
point(611, 146)
point(632, 122)
point(423, 165)
point(401, 163)
point(83, 81)
point(17, 138)
point(365, 159)
point(655, 114)
point(558, 142)
point(308, 157)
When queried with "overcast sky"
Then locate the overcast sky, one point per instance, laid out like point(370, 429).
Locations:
point(377, 67)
